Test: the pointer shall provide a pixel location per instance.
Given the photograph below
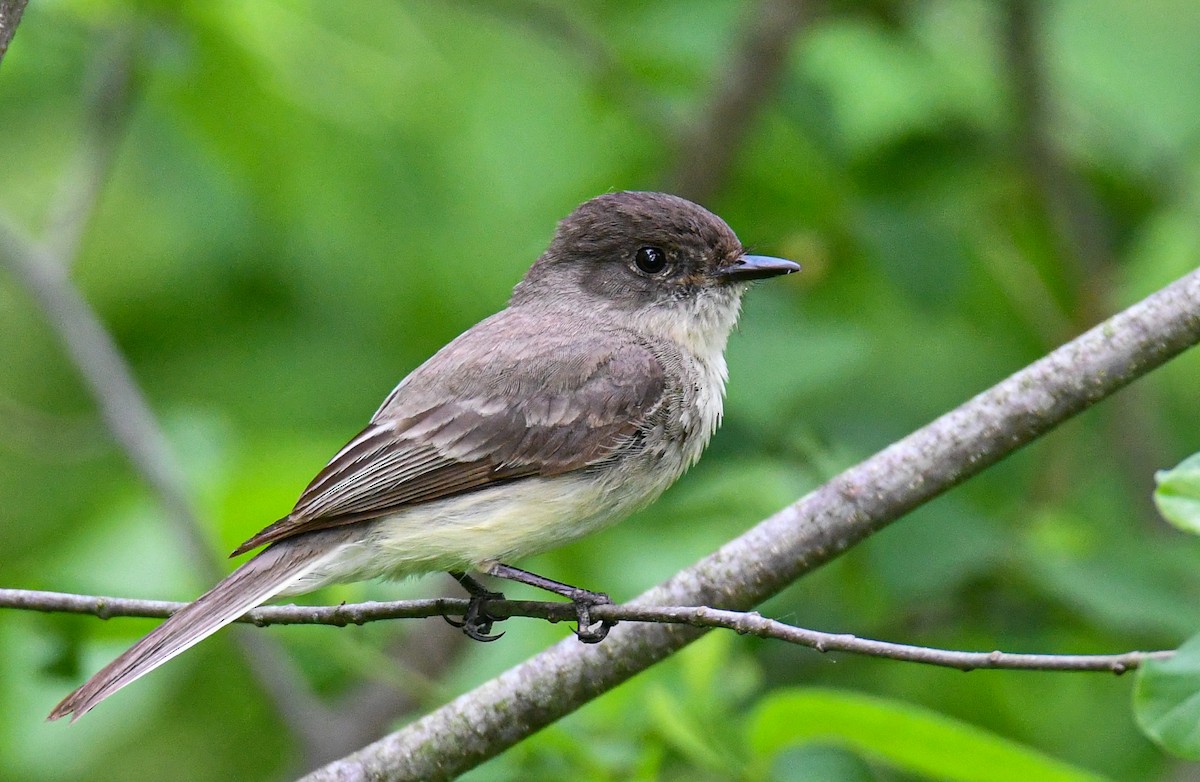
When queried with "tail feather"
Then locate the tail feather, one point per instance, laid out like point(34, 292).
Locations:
point(255, 582)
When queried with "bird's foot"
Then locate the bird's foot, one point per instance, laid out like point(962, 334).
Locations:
point(476, 623)
point(584, 600)
point(587, 631)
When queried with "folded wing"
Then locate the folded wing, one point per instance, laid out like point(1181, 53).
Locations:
point(468, 419)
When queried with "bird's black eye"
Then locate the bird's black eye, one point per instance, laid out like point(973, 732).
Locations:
point(650, 260)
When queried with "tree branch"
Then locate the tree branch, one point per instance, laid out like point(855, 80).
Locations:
point(860, 501)
point(741, 622)
point(10, 17)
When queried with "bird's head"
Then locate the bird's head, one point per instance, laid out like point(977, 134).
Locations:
point(659, 262)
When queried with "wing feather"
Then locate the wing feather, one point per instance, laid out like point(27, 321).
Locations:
point(457, 425)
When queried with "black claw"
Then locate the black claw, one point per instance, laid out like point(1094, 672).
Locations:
point(583, 602)
point(582, 599)
point(477, 623)
point(482, 637)
point(590, 635)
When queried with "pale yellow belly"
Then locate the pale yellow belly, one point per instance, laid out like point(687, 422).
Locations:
point(503, 523)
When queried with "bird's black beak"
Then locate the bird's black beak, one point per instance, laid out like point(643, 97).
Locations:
point(756, 267)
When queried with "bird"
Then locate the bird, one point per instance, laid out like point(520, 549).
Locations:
point(592, 391)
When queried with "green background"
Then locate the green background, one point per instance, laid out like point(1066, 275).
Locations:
point(306, 199)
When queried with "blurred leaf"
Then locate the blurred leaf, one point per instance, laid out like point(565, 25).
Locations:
point(882, 86)
point(1136, 107)
point(1166, 700)
point(678, 727)
point(1116, 592)
point(953, 543)
point(900, 734)
point(815, 762)
point(1177, 495)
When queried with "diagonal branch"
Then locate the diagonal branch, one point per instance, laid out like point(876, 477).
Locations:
point(325, 732)
point(860, 501)
point(10, 17)
point(132, 423)
point(110, 380)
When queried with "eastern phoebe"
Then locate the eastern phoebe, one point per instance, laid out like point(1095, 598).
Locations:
point(583, 400)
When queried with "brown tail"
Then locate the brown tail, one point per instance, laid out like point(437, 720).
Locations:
point(255, 582)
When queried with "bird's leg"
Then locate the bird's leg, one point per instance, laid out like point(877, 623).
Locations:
point(476, 622)
point(583, 599)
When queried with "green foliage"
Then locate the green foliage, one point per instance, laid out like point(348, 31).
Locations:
point(1178, 494)
point(901, 735)
point(306, 199)
point(1167, 700)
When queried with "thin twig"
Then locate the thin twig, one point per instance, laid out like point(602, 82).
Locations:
point(745, 623)
point(750, 623)
point(855, 504)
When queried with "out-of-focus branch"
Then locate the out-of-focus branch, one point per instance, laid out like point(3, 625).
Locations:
point(1079, 230)
point(128, 416)
point(324, 733)
point(110, 381)
point(1075, 218)
point(741, 622)
point(862, 500)
point(10, 17)
point(707, 149)
point(43, 269)
point(109, 97)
